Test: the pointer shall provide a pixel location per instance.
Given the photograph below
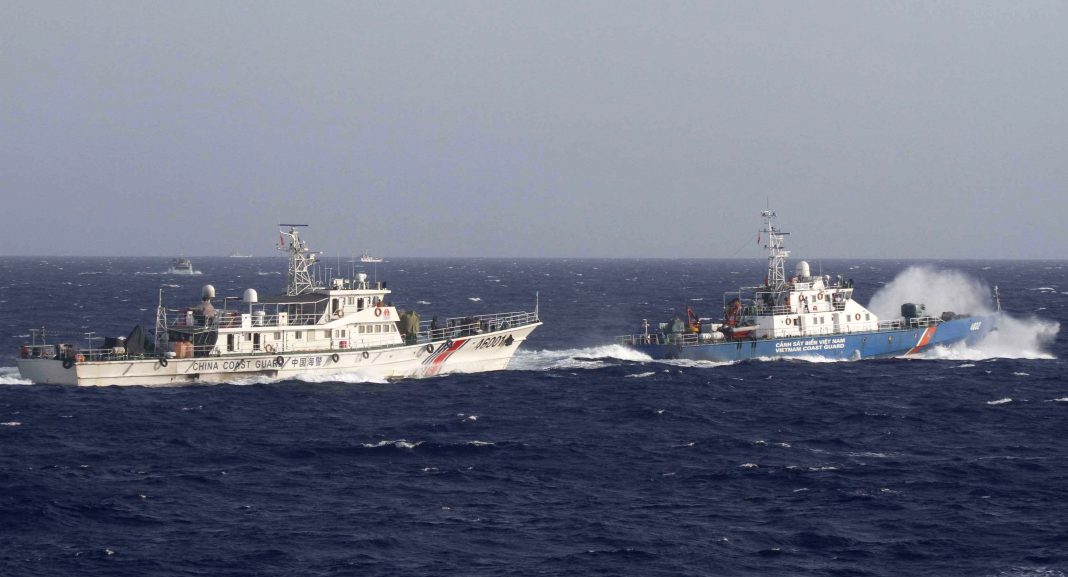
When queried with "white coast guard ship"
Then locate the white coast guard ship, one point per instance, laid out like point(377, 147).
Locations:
point(803, 316)
point(347, 326)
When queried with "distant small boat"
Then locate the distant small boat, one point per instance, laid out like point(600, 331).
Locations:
point(366, 257)
point(239, 255)
point(182, 265)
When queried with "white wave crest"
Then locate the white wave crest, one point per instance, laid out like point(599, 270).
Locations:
point(587, 358)
point(11, 376)
point(940, 290)
point(334, 377)
point(400, 444)
point(951, 290)
point(338, 377)
point(1000, 401)
point(1015, 338)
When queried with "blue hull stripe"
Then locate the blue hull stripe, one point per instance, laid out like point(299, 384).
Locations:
point(887, 343)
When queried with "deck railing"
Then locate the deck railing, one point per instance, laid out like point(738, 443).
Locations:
point(472, 325)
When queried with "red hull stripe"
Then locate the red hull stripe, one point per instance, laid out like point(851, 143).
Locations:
point(925, 338)
point(436, 360)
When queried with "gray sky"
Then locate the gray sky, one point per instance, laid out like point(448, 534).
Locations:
point(618, 129)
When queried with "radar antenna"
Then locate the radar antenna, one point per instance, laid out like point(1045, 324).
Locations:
point(777, 252)
point(299, 279)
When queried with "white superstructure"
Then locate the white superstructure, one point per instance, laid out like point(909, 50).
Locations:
point(797, 306)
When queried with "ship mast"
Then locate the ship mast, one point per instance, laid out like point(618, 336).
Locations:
point(777, 253)
point(298, 278)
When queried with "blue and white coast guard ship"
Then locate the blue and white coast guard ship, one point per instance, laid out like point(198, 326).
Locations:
point(804, 316)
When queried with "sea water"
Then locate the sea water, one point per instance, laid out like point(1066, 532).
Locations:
point(585, 458)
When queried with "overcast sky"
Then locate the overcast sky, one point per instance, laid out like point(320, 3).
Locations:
point(541, 129)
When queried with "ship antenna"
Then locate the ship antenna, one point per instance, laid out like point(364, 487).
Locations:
point(299, 279)
point(161, 323)
point(777, 252)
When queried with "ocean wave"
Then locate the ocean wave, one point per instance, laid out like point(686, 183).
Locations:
point(1015, 338)
point(584, 358)
point(399, 444)
point(1000, 401)
point(11, 376)
point(350, 377)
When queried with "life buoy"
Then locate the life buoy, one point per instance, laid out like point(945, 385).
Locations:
point(163, 361)
point(804, 299)
point(334, 357)
point(820, 296)
point(378, 311)
point(67, 363)
point(279, 361)
point(430, 348)
point(339, 313)
point(366, 354)
point(857, 316)
point(789, 321)
point(269, 349)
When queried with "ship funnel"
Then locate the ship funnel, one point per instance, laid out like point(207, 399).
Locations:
point(251, 296)
point(802, 270)
point(207, 292)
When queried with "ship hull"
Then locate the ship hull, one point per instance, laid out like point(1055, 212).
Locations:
point(486, 351)
point(851, 346)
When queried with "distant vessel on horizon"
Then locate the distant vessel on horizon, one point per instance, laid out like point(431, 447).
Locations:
point(367, 257)
point(239, 255)
point(182, 265)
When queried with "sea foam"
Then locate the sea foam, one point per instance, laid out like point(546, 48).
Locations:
point(955, 291)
